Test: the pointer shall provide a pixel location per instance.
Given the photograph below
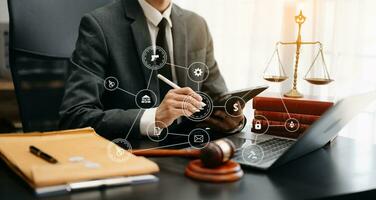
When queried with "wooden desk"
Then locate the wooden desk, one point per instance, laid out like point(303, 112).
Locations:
point(346, 170)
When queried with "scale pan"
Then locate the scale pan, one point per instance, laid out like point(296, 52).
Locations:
point(319, 81)
point(276, 78)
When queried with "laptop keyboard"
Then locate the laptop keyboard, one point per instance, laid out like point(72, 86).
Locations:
point(270, 149)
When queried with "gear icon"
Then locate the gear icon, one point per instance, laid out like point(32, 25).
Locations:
point(198, 72)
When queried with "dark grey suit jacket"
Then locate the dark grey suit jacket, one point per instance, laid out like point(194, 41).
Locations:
point(110, 43)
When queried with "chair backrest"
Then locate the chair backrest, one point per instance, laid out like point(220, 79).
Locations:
point(43, 34)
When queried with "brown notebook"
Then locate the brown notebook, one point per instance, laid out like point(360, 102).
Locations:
point(63, 145)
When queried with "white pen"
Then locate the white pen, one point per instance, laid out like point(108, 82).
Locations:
point(173, 85)
point(168, 82)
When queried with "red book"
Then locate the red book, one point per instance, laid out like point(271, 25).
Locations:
point(284, 134)
point(275, 126)
point(298, 106)
point(282, 116)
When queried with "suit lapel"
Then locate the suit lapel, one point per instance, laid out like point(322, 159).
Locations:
point(142, 39)
point(179, 32)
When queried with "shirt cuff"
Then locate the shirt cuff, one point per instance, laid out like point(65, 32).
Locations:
point(147, 123)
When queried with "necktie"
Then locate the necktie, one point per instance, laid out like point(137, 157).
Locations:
point(165, 70)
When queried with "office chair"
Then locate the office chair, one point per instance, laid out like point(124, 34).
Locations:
point(43, 34)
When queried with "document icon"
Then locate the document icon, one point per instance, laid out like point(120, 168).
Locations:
point(198, 138)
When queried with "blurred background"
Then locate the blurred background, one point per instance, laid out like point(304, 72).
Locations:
point(245, 33)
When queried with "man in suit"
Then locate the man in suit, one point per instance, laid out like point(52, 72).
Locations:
point(111, 42)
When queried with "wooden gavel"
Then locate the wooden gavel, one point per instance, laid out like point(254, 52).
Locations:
point(213, 155)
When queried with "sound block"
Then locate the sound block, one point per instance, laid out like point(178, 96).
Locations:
point(228, 172)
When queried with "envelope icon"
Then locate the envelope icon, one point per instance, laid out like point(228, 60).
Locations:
point(198, 138)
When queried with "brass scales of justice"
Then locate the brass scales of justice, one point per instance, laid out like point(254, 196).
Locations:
point(281, 76)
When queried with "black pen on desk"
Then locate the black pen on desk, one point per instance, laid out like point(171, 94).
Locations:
point(34, 150)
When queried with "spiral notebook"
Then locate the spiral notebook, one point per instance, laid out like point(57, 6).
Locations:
point(103, 170)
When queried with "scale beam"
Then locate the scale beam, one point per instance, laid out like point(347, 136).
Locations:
point(303, 43)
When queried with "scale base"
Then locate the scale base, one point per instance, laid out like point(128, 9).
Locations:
point(293, 93)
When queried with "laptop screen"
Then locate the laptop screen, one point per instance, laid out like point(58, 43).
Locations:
point(328, 126)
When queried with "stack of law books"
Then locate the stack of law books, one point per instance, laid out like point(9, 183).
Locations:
point(286, 117)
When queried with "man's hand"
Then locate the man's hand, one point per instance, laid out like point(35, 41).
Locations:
point(173, 104)
point(222, 122)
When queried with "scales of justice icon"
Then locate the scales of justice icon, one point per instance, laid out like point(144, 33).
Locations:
point(310, 76)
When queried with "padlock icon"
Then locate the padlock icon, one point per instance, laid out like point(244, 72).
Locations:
point(258, 125)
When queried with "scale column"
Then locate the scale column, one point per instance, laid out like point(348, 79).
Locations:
point(294, 93)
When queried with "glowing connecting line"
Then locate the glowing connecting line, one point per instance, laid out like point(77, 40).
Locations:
point(154, 59)
point(253, 153)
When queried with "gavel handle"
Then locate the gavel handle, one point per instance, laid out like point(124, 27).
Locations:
point(167, 152)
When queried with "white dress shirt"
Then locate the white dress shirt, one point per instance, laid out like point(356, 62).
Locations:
point(153, 17)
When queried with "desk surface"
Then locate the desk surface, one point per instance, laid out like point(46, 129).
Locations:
point(343, 168)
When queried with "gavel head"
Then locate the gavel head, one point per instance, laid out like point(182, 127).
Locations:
point(217, 152)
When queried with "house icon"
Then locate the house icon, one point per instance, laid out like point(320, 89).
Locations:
point(145, 99)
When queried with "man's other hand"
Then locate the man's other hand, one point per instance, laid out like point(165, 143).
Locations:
point(222, 122)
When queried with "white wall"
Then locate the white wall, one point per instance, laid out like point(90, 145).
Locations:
point(4, 21)
point(4, 17)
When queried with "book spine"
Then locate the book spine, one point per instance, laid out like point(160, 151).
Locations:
point(282, 134)
point(276, 126)
point(309, 107)
point(282, 117)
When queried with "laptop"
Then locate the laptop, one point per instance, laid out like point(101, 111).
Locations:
point(266, 151)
